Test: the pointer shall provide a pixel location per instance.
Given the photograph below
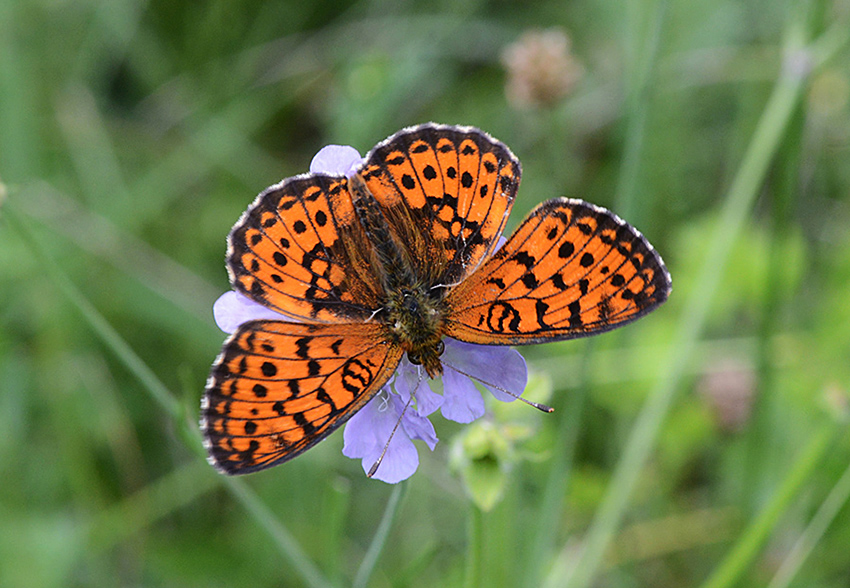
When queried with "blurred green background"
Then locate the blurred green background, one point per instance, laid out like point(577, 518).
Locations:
point(704, 445)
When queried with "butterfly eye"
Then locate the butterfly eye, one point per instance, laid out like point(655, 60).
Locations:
point(440, 347)
point(414, 359)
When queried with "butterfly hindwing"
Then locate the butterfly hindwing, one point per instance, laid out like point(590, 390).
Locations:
point(278, 388)
point(571, 269)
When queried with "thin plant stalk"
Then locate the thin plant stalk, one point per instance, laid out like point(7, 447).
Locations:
point(747, 547)
point(288, 546)
point(474, 540)
point(794, 559)
point(737, 205)
point(379, 541)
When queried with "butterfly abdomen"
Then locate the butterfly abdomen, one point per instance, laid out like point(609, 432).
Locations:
point(393, 266)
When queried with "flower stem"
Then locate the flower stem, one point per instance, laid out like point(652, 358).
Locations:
point(367, 566)
point(473, 547)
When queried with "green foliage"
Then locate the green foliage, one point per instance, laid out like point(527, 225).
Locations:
point(703, 445)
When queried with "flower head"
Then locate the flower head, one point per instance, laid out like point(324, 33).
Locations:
point(541, 70)
point(403, 412)
point(386, 427)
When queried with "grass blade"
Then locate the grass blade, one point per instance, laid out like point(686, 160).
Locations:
point(739, 201)
point(288, 546)
point(794, 560)
point(757, 532)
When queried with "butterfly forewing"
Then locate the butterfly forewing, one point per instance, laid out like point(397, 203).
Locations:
point(571, 269)
point(446, 193)
point(300, 250)
point(278, 388)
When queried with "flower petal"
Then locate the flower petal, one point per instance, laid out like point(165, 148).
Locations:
point(367, 433)
point(490, 365)
point(232, 309)
point(427, 401)
point(419, 427)
point(408, 376)
point(462, 402)
point(359, 436)
point(400, 461)
point(336, 160)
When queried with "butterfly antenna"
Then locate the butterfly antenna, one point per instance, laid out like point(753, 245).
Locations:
point(377, 463)
point(537, 405)
point(435, 286)
point(374, 314)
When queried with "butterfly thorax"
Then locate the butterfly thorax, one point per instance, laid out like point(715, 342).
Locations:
point(415, 321)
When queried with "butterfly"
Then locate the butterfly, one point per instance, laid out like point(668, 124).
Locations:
point(388, 261)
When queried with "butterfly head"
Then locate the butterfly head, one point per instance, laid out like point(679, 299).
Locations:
point(429, 358)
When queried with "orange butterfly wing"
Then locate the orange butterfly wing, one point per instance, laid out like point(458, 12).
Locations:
point(571, 269)
point(445, 193)
point(300, 250)
point(278, 388)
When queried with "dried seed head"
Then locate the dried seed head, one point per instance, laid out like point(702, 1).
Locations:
point(541, 70)
point(729, 388)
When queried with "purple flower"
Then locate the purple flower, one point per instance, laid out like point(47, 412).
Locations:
point(232, 309)
point(385, 419)
point(336, 160)
point(367, 432)
point(398, 414)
